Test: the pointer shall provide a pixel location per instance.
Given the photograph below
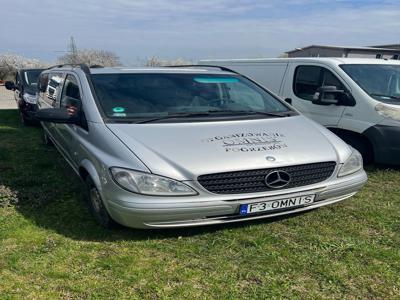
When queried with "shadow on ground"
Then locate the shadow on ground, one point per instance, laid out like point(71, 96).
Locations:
point(37, 181)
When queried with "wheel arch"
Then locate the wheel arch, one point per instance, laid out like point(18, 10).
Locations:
point(348, 136)
point(86, 169)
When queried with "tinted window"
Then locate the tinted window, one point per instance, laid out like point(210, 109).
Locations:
point(31, 76)
point(144, 95)
point(70, 91)
point(308, 79)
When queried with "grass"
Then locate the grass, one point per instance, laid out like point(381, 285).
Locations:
point(50, 247)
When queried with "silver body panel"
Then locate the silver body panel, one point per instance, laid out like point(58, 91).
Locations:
point(183, 151)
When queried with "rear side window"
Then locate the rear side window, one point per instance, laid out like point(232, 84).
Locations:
point(308, 79)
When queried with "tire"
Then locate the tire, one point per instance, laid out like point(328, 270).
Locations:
point(24, 121)
point(46, 139)
point(96, 205)
point(362, 145)
point(365, 149)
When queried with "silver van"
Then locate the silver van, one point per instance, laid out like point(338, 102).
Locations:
point(188, 146)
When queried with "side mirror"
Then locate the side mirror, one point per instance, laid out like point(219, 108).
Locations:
point(56, 115)
point(10, 85)
point(328, 95)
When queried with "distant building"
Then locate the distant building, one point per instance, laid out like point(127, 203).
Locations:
point(384, 51)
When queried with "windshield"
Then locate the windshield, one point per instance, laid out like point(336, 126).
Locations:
point(31, 77)
point(382, 82)
point(141, 96)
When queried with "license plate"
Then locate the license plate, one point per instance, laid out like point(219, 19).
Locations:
point(258, 207)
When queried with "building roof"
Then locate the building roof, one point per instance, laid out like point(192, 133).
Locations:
point(372, 48)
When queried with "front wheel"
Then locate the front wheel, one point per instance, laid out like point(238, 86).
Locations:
point(96, 205)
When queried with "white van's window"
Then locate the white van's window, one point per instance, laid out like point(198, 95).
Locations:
point(156, 95)
point(308, 79)
point(381, 82)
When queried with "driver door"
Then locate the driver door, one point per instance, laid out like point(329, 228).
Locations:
point(306, 80)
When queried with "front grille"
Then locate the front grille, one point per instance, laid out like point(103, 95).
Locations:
point(252, 181)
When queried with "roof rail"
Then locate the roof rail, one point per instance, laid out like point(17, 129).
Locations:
point(84, 67)
point(207, 66)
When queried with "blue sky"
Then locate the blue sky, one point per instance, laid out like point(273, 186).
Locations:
point(193, 30)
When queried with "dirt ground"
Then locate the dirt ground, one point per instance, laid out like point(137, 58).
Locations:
point(7, 99)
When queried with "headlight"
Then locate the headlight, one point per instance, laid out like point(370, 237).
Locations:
point(32, 99)
point(353, 164)
point(387, 111)
point(149, 184)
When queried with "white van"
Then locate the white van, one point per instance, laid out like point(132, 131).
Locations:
point(358, 99)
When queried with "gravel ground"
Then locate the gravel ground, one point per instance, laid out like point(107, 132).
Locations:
point(7, 99)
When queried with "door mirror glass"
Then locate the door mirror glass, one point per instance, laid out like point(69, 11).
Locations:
point(10, 85)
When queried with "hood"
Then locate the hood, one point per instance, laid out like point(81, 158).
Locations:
point(184, 151)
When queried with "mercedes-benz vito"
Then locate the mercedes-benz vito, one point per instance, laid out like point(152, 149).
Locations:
point(169, 147)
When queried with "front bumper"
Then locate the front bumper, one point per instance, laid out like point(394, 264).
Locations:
point(139, 211)
point(28, 110)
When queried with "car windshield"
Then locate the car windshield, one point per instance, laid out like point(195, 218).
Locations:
point(141, 96)
point(31, 77)
point(382, 82)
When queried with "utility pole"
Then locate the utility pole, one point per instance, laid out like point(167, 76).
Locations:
point(73, 50)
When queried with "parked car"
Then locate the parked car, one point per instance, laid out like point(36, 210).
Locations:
point(171, 147)
point(357, 99)
point(25, 88)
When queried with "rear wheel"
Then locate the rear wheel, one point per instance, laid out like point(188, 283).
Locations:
point(96, 205)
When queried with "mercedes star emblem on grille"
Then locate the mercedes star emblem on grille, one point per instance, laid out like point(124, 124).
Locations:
point(277, 179)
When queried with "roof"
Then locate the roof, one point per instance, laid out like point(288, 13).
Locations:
point(157, 70)
point(372, 48)
point(327, 60)
point(390, 46)
point(141, 70)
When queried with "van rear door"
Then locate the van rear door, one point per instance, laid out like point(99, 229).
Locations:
point(303, 81)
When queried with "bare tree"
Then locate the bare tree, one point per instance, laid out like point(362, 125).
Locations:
point(157, 62)
point(91, 57)
point(9, 63)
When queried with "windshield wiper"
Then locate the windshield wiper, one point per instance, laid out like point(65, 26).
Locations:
point(270, 114)
point(386, 96)
point(173, 116)
point(214, 112)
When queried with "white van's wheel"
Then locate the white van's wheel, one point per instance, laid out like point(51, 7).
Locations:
point(96, 205)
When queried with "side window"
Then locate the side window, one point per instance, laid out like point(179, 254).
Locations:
point(43, 80)
point(53, 87)
point(71, 99)
point(308, 79)
point(70, 94)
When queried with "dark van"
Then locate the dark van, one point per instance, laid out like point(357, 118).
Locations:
point(25, 93)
